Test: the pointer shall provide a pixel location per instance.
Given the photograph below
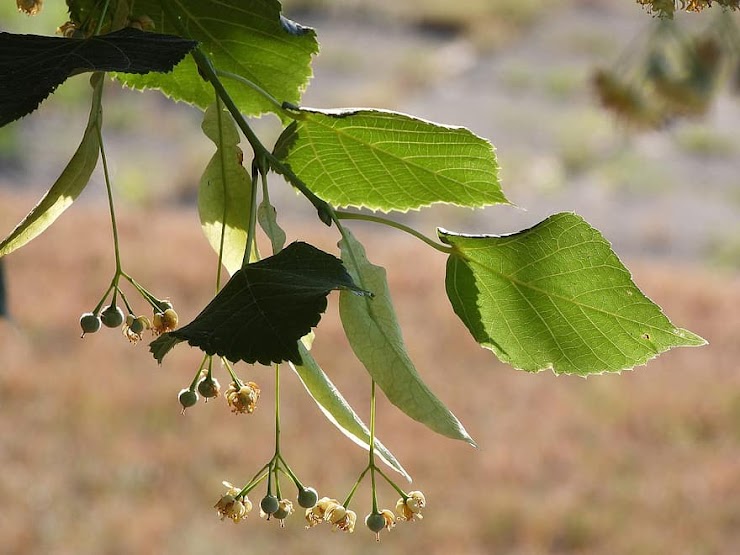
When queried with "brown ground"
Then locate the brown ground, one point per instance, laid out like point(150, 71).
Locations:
point(96, 457)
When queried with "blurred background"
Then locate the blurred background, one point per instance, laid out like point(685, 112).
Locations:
point(96, 457)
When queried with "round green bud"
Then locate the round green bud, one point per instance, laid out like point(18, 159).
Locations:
point(307, 498)
point(89, 322)
point(209, 387)
point(375, 522)
point(281, 513)
point(112, 316)
point(138, 325)
point(269, 504)
point(187, 398)
point(165, 305)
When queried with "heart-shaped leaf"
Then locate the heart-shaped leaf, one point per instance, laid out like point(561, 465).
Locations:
point(246, 38)
point(555, 296)
point(389, 161)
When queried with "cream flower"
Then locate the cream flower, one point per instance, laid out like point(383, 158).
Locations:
point(315, 515)
point(243, 399)
point(341, 518)
point(410, 508)
point(231, 506)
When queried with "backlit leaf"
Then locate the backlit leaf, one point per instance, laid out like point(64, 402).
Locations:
point(224, 193)
point(248, 38)
point(33, 66)
point(555, 296)
point(265, 308)
point(389, 161)
point(373, 331)
point(67, 187)
point(336, 409)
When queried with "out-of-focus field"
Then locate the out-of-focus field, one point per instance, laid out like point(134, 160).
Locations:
point(96, 457)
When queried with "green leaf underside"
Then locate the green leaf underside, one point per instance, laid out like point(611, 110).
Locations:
point(267, 218)
point(224, 193)
point(389, 161)
point(33, 66)
point(246, 37)
point(66, 188)
point(265, 308)
point(556, 296)
point(375, 336)
point(336, 409)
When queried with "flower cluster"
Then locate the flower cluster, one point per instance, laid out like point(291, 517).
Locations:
point(672, 75)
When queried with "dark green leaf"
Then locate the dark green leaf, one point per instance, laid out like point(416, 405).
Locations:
point(556, 297)
point(248, 38)
point(389, 161)
point(67, 187)
point(265, 308)
point(163, 345)
point(33, 66)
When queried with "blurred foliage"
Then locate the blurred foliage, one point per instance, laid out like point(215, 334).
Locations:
point(670, 74)
point(666, 8)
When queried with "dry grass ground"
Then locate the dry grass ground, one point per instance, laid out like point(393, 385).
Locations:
point(96, 457)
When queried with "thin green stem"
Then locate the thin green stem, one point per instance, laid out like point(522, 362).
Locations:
point(275, 470)
point(289, 471)
point(252, 214)
point(125, 301)
point(111, 208)
point(260, 151)
point(391, 482)
point(372, 446)
point(151, 299)
point(256, 479)
point(103, 14)
point(105, 296)
point(234, 377)
point(255, 87)
point(196, 378)
point(277, 411)
point(351, 493)
point(222, 239)
point(390, 223)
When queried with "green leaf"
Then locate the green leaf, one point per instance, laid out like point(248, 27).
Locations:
point(67, 187)
point(337, 410)
point(248, 38)
point(224, 193)
point(556, 296)
point(33, 66)
point(388, 161)
point(265, 308)
point(163, 345)
point(267, 218)
point(373, 331)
